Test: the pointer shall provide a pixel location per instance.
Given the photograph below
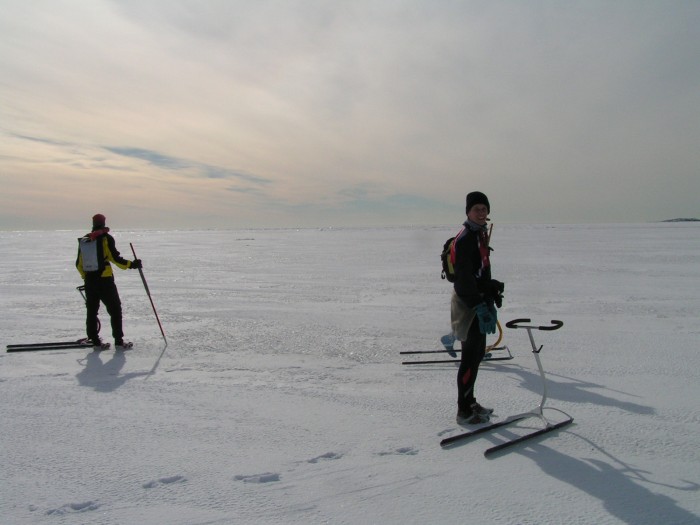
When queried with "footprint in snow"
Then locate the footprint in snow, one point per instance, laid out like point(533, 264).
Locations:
point(327, 455)
point(73, 507)
point(403, 451)
point(266, 477)
point(164, 481)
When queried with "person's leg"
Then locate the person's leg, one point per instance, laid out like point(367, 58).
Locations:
point(473, 350)
point(113, 304)
point(92, 304)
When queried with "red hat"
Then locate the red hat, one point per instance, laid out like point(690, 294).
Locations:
point(99, 220)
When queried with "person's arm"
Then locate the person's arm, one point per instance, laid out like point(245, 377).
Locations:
point(114, 256)
point(79, 264)
point(465, 284)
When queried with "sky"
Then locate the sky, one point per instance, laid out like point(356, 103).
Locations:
point(307, 113)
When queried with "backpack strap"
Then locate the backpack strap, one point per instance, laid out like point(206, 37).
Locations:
point(453, 247)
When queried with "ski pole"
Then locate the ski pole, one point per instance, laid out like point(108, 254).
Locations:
point(148, 292)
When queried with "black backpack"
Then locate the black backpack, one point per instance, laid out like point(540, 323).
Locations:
point(448, 269)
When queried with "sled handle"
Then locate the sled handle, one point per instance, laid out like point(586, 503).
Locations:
point(556, 325)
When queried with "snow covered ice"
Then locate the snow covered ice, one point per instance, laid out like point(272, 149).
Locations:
point(281, 398)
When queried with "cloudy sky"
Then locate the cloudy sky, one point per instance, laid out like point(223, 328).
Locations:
point(295, 113)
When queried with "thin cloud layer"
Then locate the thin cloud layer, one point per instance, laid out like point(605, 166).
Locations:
point(198, 169)
point(202, 114)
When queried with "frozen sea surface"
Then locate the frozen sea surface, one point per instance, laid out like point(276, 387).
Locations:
point(281, 397)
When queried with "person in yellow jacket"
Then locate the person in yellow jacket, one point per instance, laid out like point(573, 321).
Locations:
point(96, 251)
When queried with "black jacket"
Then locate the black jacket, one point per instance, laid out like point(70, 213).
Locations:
point(472, 282)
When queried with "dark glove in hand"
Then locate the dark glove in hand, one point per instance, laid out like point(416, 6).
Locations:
point(136, 264)
point(497, 290)
point(487, 318)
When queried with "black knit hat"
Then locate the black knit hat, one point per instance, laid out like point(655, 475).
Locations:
point(98, 220)
point(476, 197)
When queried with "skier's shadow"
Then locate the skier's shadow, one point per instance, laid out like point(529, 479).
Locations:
point(619, 487)
point(572, 390)
point(104, 376)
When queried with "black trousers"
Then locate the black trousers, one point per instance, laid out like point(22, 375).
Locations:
point(473, 352)
point(102, 289)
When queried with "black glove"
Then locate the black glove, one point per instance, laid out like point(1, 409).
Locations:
point(492, 292)
point(497, 288)
point(136, 264)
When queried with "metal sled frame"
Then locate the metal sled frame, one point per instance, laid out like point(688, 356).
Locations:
point(81, 289)
point(536, 413)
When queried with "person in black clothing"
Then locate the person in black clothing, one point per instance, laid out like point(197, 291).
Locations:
point(473, 312)
point(96, 251)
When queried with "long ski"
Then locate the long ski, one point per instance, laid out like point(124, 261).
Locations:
point(40, 348)
point(409, 352)
point(438, 361)
point(37, 347)
point(488, 357)
point(430, 362)
point(465, 435)
point(51, 343)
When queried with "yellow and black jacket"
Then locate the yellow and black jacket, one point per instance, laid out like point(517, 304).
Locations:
point(106, 253)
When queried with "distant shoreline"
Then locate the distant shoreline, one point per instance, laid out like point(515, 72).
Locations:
point(126, 229)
